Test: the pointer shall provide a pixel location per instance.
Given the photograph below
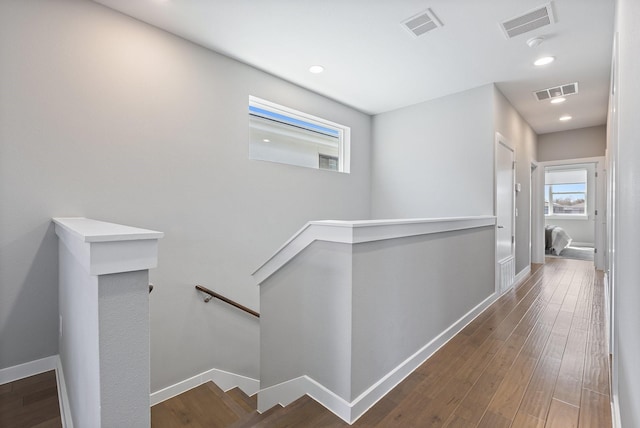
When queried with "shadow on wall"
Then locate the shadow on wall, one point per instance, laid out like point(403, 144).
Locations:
point(29, 296)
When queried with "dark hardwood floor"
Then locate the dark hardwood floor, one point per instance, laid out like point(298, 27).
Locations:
point(535, 358)
point(30, 402)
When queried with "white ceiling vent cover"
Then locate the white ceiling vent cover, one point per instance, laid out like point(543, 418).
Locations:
point(556, 91)
point(422, 23)
point(532, 20)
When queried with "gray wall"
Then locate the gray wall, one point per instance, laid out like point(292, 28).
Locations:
point(517, 131)
point(408, 291)
point(627, 229)
point(425, 164)
point(435, 159)
point(573, 144)
point(305, 327)
point(105, 117)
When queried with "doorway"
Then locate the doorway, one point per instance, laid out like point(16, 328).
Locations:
point(505, 213)
point(571, 209)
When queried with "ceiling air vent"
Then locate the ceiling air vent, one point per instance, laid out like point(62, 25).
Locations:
point(421, 23)
point(556, 91)
point(530, 21)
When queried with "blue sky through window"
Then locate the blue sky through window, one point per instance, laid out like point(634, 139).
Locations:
point(293, 121)
point(578, 187)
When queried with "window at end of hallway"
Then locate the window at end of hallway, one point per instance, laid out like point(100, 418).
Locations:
point(284, 135)
point(565, 192)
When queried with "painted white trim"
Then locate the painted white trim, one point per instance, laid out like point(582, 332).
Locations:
point(537, 215)
point(223, 379)
point(103, 248)
point(63, 396)
point(289, 391)
point(31, 368)
point(88, 230)
point(356, 232)
point(571, 161)
point(521, 276)
point(615, 411)
point(344, 141)
point(500, 139)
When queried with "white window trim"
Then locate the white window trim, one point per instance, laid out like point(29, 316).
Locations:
point(344, 138)
point(567, 217)
point(585, 216)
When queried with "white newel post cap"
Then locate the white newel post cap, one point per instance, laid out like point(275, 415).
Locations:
point(104, 248)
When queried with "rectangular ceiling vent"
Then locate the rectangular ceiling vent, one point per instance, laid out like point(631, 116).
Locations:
point(556, 91)
point(422, 23)
point(530, 21)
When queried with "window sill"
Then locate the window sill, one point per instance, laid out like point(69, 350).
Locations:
point(567, 217)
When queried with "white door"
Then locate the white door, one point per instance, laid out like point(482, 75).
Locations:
point(505, 200)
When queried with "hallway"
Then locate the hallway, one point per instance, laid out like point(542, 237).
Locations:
point(535, 358)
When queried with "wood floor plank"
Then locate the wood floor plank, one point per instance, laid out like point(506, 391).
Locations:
point(522, 420)
point(31, 402)
point(51, 423)
point(493, 420)
point(303, 412)
point(232, 404)
point(5, 389)
point(507, 398)
point(562, 415)
point(248, 404)
point(539, 393)
point(595, 410)
point(569, 383)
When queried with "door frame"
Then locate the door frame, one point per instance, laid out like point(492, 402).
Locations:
point(600, 202)
point(536, 222)
point(502, 140)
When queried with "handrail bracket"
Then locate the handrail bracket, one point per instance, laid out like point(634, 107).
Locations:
point(211, 294)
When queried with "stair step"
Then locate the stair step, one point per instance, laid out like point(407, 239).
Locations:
point(200, 406)
point(305, 411)
point(254, 418)
point(248, 403)
point(237, 409)
point(302, 412)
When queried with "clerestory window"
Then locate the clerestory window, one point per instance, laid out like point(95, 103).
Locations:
point(284, 135)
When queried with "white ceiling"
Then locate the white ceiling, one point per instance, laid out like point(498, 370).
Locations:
point(374, 65)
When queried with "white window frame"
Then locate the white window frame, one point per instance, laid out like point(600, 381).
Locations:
point(559, 216)
point(344, 132)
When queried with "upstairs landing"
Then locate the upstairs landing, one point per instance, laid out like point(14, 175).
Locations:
point(537, 357)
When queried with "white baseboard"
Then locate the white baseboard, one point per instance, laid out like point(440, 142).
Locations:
point(224, 380)
point(521, 275)
point(287, 392)
point(11, 374)
point(615, 411)
point(63, 397)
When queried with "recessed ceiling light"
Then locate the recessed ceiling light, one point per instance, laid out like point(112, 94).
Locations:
point(558, 100)
point(565, 118)
point(316, 69)
point(266, 140)
point(544, 61)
